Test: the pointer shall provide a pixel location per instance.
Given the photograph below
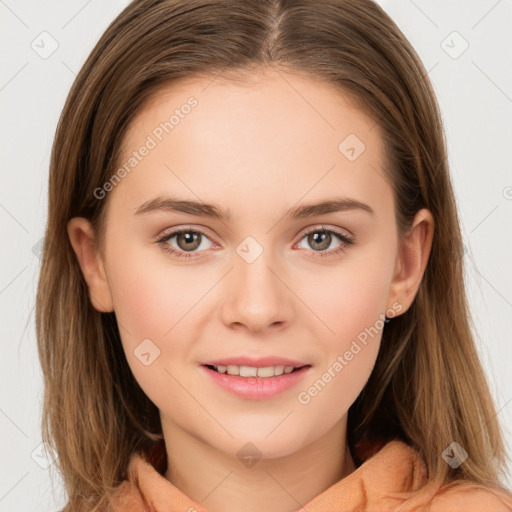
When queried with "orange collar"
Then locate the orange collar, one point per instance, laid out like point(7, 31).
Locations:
point(389, 474)
point(399, 468)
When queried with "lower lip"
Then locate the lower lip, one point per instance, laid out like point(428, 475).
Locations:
point(257, 388)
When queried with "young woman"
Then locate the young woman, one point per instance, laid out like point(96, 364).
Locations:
point(252, 294)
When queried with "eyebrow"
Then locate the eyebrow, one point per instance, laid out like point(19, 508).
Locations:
point(201, 209)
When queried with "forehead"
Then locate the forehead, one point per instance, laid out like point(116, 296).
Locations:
point(271, 131)
point(266, 102)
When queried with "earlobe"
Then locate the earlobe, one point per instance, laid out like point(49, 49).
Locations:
point(83, 240)
point(412, 258)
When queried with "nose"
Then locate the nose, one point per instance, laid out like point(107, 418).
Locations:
point(256, 296)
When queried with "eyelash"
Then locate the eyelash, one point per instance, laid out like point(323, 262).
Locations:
point(346, 241)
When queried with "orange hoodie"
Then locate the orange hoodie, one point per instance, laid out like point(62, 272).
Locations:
point(391, 473)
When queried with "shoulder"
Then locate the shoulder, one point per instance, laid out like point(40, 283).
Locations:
point(472, 499)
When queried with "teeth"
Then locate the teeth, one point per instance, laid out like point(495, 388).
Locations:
point(252, 371)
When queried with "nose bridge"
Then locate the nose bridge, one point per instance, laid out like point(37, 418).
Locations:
point(253, 269)
point(256, 296)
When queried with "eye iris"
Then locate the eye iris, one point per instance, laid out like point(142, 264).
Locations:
point(319, 237)
point(189, 237)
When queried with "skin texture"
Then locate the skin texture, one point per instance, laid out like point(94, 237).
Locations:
point(256, 150)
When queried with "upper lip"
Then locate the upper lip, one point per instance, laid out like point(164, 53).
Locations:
point(258, 362)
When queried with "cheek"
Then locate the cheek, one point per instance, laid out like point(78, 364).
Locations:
point(359, 306)
point(348, 356)
point(154, 307)
point(143, 303)
point(351, 303)
point(150, 294)
point(351, 298)
point(159, 301)
point(148, 302)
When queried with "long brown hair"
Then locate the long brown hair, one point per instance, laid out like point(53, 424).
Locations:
point(427, 388)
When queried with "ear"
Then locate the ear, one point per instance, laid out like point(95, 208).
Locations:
point(411, 260)
point(83, 241)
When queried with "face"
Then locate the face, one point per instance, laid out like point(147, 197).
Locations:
point(270, 283)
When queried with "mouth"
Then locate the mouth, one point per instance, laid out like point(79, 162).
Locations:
point(255, 382)
point(263, 372)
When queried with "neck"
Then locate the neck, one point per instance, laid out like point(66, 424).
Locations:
point(220, 482)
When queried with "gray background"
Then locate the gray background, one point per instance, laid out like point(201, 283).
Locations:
point(474, 88)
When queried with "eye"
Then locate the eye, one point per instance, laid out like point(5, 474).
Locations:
point(187, 240)
point(321, 238)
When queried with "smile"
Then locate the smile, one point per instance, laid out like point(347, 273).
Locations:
point(255, 383)
point(253, 371)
